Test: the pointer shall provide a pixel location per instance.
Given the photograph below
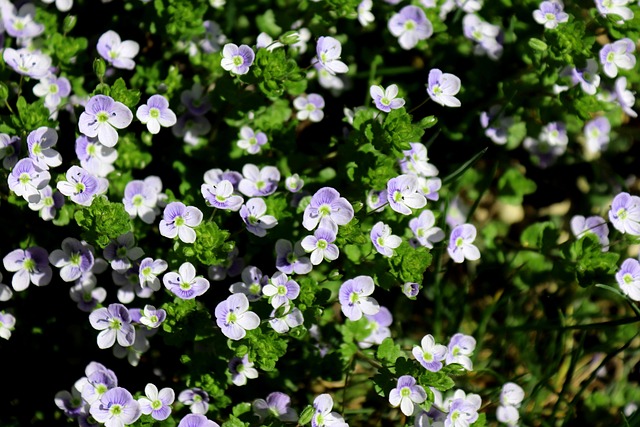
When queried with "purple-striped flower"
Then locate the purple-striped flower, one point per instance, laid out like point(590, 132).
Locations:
point(550, 14)
point(7, 324)
point(48, 204)
point(74, 259)
point(321, 243)
point(416, 161)
point(290, 258)
point(410, 25)
point(114, 323)
point(258, 182)
point(403, 194)
point(354, 297)
point(277, 405)
point(241, 370)
point(460, 349)
point(281, 290)
point(196, 398)
point(614, 7)
point(379, 326)
point(20, 23)
point(462, 408)
point(86, 295)
point(156, 113)
point(624, 213)
point(252, 282)
point(196, 420)
point(487, 37)
point(34, 64)
point(150, 316)
point(326, 204)
point(157, 403)
point(10, 148)
point(618, 54)
point(149, 269)
point(495, 124)
point(385, 98)
point(328, 51)
point(323, 415)
point(595, 225)
point(185, 284)
point(443, 87)
point(40, 143)
point(117, 52)
point(424, 229)
point(237, 60)
point(309, 107)
point(294, 183)
point(253, 214)
point(26, 180)
point(122, 251)
point(221, 196)
point(141, 198)
point(29, 265)
point(429, 354)
point(624, 97)
point(461, 245)
point(628, 278)
point(587, 77)
point(180, 220)
point(596, 132)
point(250, 140)
point(383, 240)
point(52, 89)
point(407, 394)
point(101, 118)
point(116, 408)
point(233, 317)
point(291, 318)
point(98, 380)
point(94, 157)
point(81, 186)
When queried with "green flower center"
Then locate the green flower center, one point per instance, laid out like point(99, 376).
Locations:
point(115, 409)
point(25, 178)
point(380, 241)
point(622, 213)
point(232, 318)
point(146, 271)
point(47, 201)
point(397, 196)
point(53, 88)
point(102, 117)
point(115, 324)
point(137, 200)
point(80, 187)
point(354, 298)
point(179, 221)
point(610, 56)
point(185, 285)
point(29, 265)
point(550, 16)
point(91, 150)
point(627, 279)
point(253, 141)
point(322, 244)
point(156, 404)
point(405, 392)
point(260, 185)
point(75, 259)
point(154, 113)
point(385, 101)
point(282, 290)
point(409, 25)
point(37, 149)
point(121, 252)
point(254, 288)
point(237, 60)
point(324, 210)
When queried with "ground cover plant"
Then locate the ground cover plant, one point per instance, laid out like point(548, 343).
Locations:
point(335, 212)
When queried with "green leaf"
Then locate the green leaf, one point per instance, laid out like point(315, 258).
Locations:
point(103, 221)
point(120, 93)
point(389, 352)
point(306, 415)
point(513, 186)
point(438, 380)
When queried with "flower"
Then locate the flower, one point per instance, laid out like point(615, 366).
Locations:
point(406, 394)
point(233, 317)
point(114, 323)
point(196, 420)
point(550, 14)
point(326, 204)
point(385, 99)
point(462, 408)
point(252, 283)
point(383, 240)
point(614, 7)
point(309, 107)
point(430, 355)
point(101, 118)
point(20, 23)
point(40, 143)
point(61, 5)
point(596, 132)
point(290, 259)
point(277, 405)
point(26, 180)
point(379, 327)
point(236, 59)
point(86, 295)
point(424, 229)
point(258, 182)
point(586, 76)
point(355, 300)
point(321, 243)
point(152, 317)
point(141, 198)
point(180, 220)
point(74, 259)
point(7, 324)
point(411, 289)
point(250, 140)
point(460, 348)
point(81, 186)
point(196, 398)
point(364, 12)
point(624, 97)
point(495, 124)
point(117, 52)
point(34, 64)
point(10, 148)
point(156, 113)
point(328, 52)
point(485, 35)
point(241, 370)
point(618, 54)
point(48, 204)
point(30, 265)
point(184, 283)
point(293, 183)
point(94, 157)
point(410, 25)
point(403, 194)
point(122, 251)
point(461, 245)
point(443, 87)
point(323, 416)
point(281, 290)
point(511, 394)
point(149, 270)
point(253, 213)
point(416, 161)
point(291, 318)
point(157, 404)
point(116, 408)
point(596, 225)
point(52, 89)
point(624, 213)
point(628, 278)
point(221, 196)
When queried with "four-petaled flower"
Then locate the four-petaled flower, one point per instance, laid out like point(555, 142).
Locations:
point(185, 284)
point(383, 240)
point(30, 265)
point(618, 54)
point(180, 220)
point(309, 107)
point(114, 323)
point(385, 99)
point(101, 118)
point(221, 195)
point(277, 405)
point(157, 403)
point(196, 398)
point(550, 14)
point(233, 317)
point(236, 59)
point(429, 354)
point(461, 245)
point(424, 229)
point(116, 408)
point(81, 186)
point(26, 180)
point(403, 194)
point(74, 259)
point(326, 204)
point(443, 87)
point(410, 25)
point(628, 277)
point(321, 243)
point(625, 213)
point(156, 113)
point(241, 370)
point(324, 416)
point(407, 394)
point(328, 51)
point(253, 214)
point(460, 347)
point(250, 140)
point(281, 289)
point(117, 52)
point(355, 300)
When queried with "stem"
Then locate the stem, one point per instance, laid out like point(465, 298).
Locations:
point(420, 105)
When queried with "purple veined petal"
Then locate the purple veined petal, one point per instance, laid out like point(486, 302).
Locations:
point(394, 397)
point(193, 216)
point(396, 103)
point(187, 272)
point(126, 335)
point(106, 338)
point(406, 406)
point(120, 115)
point(249, 320)
point(168, 230)
point(376, 92)
point(200, 285)
point(20, 280)
point(233, 331)
point(331, 252)
point(106, 134)
point(186, 234)
point(323, 403)
point(353, 312)
point(167, 118)
point(162, 413)
point(167, 396)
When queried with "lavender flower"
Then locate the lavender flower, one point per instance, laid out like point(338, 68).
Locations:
point(293, 183)
point(86, 295)
point(156, 113)
point(364, 12)
point(96, 158)
point(277, 405)
point(48, 204)
point(98, 380)
point(29, 265)
point(443, 87)
point(485, 35)
point(407, 394)
point(7, 324)
point(328, 51)
point(196, 100)
point(122, 251)
point(221, 195)
point(34, 64)
point(595, 225)
point(628, 278)
point(326, 203)
point(152, 317)
point(618, 54)
point(250, 140)
point(61, 5)
point(624, 97)
point(180, 220)
point(40, 143)
point(149, 269)
point(289, 319)
point(141, 198)
point(117, 52)
point(74, 259)
point(19, 23)
point(614, 7)
point(496, 126)
point(323, 415)
point(52, 89)
point(237, 60)
point(355, 300)
point(157, 403)
point(113, 322)
point(385, 99)
point(185, 284)
point(379, 327)
point(82, 187)
point(101, 118)
point(71, 404)
point(403, 195)
point(196, 398)
point(116, 408)
point(550, 14)
point(416, 161)
point(241, 370)
point(253, 214)
point(213, 38)
point(383, 240)
point(321, 243)
point(377, 199)
point(511, 394)
point(410, 25)
point(326, 79)
point(252, 282)
point(196, 420)
point(460, 348)
point(461, 245)
point(424, 229)
point(10, 148)
point(596, 132)
point(587, 76)
point(214, 176)
point(462, 408)
point(309, 107)
point(26, 180)
point(234, 319)
point(5, 291)
point(429, 354)
point(290, 259)
point(624, 213)
point(259, 182)
point(281, 290)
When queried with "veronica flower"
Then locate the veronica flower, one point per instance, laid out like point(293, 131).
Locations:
point(554, 134)
point(323, 415)
point(98, 380)
point(149, 269)
point(443, 87)
point(265, 41)
point(410, 25)
point(196, 398)
point(485, 35)
point(293, 183)
point(495, 124)
point(141, 198)
point(180, 220)
point(281, 290)
point(290, 258)
point(461, 245)
point(364, 12)
point(52, 89)
point(459, 349)
point(152, 317)
point(82, 187)
point(543, 153)
point(237, 60)
point(253, 214)
point(289, 319)
point(416, 161)
point(385, 99)
point(185, 284)
point(26, 180)
point(94, 157)
point(114, 322)
point(86, 295)
point(74, 259)
point(157, 403)
point(618, 54)
point(101, 118)
point(252, 282)
point(117, 52)
point(241, 370)
point(354, 297)
point(116, 408)
point(507, 415)
point(321, 243)
point(377, 199)
point(277, 405)
point(258, 182)
point(196, 420)
point(550, 14)
point(614, 7)
point(383, 240)
point(378, 326)
point(326, 203)
point(628, 278)
point(40, 143)
point(595, 225)
point(407, 394)
point(156, 113)
point(624, 213)
point(328, 51)
point(214, 176)
point(7, 324)
point(250, 140)
point(34, 64)
point(309, 107)
point(587, 77)
point(29, 265)
point(5, 291)
point(61, 5)
point(625, 97)
point(511, 394)
point(221, 195)
point(233, 317)
point(10, 148)
point(403, 195)
point(48, 204)
point(70, 403)
point(430, 355)
point(326, 79)
point(596, 132)
point(424, 229)
point(462, 408)
point(122, 251)
point(469, 6)
point(19, 23)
